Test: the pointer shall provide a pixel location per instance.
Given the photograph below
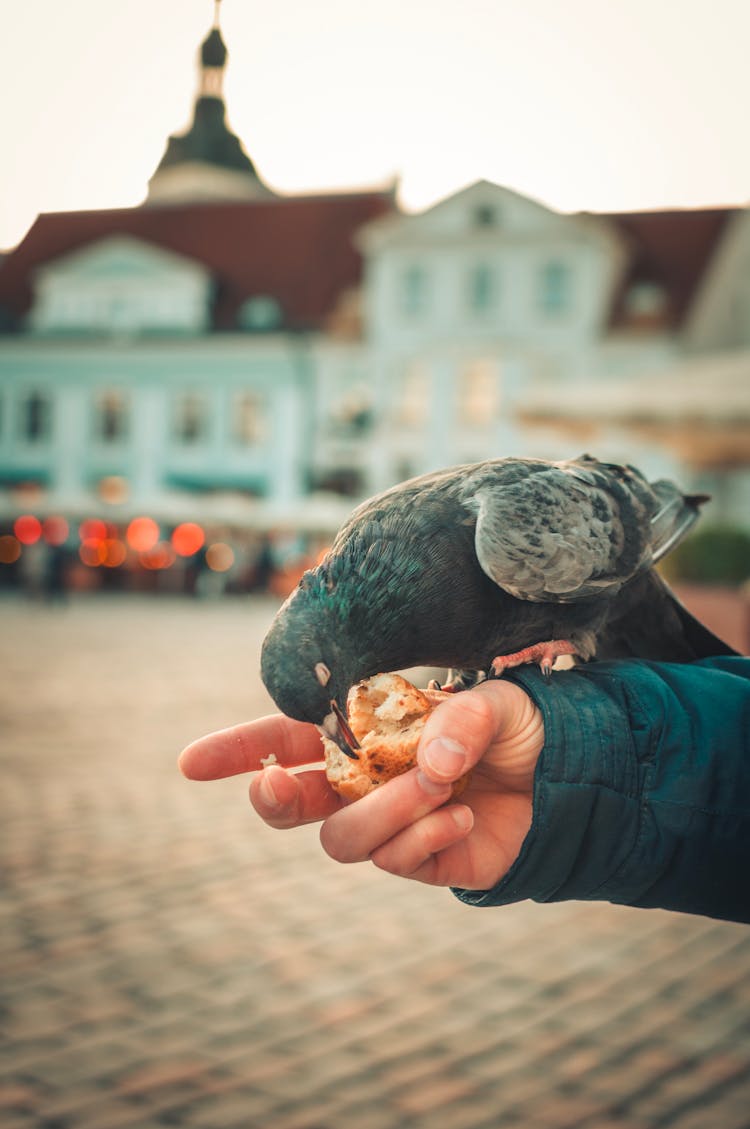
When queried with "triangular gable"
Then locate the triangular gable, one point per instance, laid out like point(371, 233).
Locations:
point(120, 257)
point(487, 210)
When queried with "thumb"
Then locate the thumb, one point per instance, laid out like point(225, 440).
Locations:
point(458, 733)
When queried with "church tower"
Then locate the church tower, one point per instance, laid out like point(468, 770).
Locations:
point(208, 162)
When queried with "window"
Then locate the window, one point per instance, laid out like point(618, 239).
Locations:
point(413, 401)
point(414, 290)
point(191, 421)
point(479, 393)
point(36, 417)
point(646, 300)
point(249, 419)
point(485, 215)
point(260, 314)
point(353, 414)
point(482, 288)
point(110, 417)
point(555, 287)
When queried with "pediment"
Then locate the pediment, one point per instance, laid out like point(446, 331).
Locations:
point(120, 258)
point(483, 211)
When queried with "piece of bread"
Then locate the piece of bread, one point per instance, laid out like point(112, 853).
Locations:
point(387, 715)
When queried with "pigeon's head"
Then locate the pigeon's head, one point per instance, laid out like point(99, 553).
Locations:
point(307, 672)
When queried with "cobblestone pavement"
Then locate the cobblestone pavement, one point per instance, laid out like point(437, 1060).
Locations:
point(169, 961)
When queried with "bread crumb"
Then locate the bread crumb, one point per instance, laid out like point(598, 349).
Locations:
point(270, 759)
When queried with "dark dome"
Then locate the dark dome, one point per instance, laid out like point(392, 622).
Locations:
point(213, 49)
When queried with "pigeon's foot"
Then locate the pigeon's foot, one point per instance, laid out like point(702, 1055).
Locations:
point(458, 680)
point(542, 653)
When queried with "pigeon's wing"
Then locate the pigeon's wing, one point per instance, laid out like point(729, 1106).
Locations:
point(561, 533)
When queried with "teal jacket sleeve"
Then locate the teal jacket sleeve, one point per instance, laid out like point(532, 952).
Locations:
point(642, 789)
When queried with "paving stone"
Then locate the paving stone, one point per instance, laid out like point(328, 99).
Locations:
point(169, 961)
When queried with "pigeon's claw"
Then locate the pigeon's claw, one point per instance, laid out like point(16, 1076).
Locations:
point(462, 680)
point(544, 654)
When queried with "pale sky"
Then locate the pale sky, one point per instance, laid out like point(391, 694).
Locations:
point(582, 104)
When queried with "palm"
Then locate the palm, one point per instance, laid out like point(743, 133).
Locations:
point(499, 794)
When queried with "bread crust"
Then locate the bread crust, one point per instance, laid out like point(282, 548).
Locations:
point(387, 715)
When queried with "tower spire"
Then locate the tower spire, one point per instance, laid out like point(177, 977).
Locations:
point(213, 55)
point(208, 160)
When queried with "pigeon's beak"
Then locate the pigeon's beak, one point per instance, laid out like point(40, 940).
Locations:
point(336, 726)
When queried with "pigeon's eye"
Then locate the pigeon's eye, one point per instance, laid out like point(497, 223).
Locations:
point(322, 673)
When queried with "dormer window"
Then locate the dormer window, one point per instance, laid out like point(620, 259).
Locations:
point(260, 314)
point(646, 301)
point(555, 287)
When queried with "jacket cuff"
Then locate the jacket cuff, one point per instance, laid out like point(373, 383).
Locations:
point(586, 792)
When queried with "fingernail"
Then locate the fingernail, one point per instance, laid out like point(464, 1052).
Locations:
point(266, 791)
point(431, 787)
point(445, 758)
point(463, 817)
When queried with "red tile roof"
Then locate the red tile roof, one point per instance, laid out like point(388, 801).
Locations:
point(299, 250)
point(669, 248)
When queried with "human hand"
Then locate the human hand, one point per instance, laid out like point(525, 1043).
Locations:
point(405, 826)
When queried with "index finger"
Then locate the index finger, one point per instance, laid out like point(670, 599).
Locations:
point(243, 748)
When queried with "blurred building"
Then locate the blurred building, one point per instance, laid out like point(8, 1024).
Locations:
point(225, 353)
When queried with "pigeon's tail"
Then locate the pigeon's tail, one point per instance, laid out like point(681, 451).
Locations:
point(649, 622)
point(674, 517)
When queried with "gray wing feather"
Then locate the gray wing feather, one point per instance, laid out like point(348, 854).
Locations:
point(553, 536)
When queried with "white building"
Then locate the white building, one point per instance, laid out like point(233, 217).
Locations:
point(227, 354)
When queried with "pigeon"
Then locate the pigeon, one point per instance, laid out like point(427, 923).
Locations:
point(480, 568)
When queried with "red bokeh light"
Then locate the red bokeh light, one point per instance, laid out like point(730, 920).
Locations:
point(28, 529)
point(93, 529)
point(142, 535)
point(188, 538)
point(91, 551)
point(55, 530)
point(113, 552)
point(160, 556)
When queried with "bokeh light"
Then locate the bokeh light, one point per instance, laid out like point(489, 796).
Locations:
point(159, 556)
point(55, 530)
point(92, 529)
point(91, 551)
point(143, 534)
point(113, 489)
point(113, 552)
point(219, 557)
point(10, 549)
point(188, 538)
point(28, 529)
